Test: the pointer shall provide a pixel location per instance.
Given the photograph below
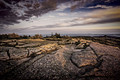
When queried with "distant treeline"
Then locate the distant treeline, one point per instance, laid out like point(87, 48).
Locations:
point(57, 35)
point(36, 36)
point(16, 36)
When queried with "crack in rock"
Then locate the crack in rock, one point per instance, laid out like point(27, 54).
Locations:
point(86, 61)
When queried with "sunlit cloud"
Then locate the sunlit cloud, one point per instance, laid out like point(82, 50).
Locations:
point(62, 14)
point(66, 5)
point(100, 6)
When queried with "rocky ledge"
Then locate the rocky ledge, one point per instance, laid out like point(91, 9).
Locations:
point(92, 61)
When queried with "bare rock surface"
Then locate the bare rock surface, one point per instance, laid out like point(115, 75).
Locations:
point(95, 62)
point(3, 55)
point(102, 49)
point(84, 58)
point(12, 53)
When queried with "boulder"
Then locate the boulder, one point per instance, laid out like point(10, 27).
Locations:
point(84, 58)
point(17, 53)
point(4, 53)
point(12, 53)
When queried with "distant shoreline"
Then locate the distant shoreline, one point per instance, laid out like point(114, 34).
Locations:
point(76, 35)
point(88, 35)
point(94, 35)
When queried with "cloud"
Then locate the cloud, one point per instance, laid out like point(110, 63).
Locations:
point(66, 5)
point(98, 22)
point(108, 16)
point(62, 14)
point(23, 10)
point(100, 6)
point(112, 12)
point(52, 16)
point(102, 16)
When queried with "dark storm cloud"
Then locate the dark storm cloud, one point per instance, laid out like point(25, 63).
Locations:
point(11, 11)
point(104, 2)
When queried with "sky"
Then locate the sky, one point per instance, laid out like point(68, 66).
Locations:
point(61, 16)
